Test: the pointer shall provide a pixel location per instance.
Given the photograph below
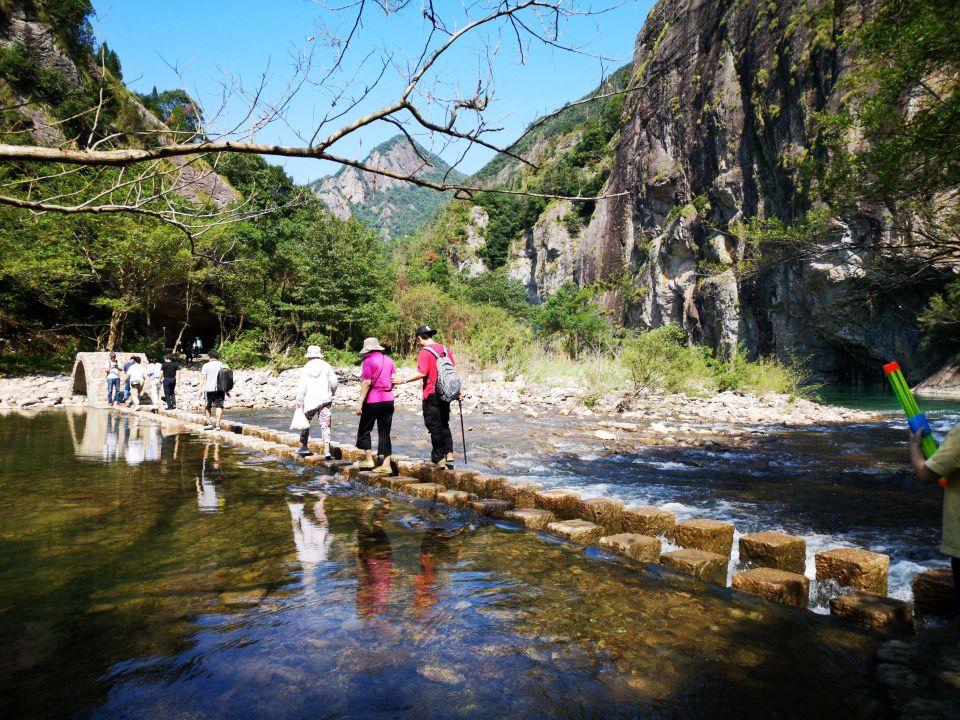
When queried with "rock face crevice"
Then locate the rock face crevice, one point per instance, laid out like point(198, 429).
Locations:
point(719, 131)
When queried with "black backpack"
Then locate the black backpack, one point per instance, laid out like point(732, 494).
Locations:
point(225, 380)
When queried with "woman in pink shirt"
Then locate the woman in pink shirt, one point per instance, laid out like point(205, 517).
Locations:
point(376, 402)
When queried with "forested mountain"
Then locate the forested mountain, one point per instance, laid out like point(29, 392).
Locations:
point(393, 207)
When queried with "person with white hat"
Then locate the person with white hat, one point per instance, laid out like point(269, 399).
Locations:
point(315, 390)
point(376, 402)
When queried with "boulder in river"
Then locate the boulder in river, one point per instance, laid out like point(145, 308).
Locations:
point(873, 611)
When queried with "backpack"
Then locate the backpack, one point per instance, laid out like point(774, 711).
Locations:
point(225, 380)
point(448, 382)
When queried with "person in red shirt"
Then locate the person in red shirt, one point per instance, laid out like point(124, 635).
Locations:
point(436, 412)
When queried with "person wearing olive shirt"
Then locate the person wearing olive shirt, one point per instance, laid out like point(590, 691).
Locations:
point(169, 369)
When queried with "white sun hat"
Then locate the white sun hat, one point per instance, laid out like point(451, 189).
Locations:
point(314, 352)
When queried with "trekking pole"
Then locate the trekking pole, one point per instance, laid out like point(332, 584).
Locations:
point(463, 433)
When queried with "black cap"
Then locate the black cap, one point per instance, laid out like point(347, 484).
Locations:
point(425, 331)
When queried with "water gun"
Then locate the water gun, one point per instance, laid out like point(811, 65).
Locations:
point(915, 419)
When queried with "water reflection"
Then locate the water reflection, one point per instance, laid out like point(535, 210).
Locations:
point(310, 536)
point(208, 499)
point(111, 437)
point(374, 561)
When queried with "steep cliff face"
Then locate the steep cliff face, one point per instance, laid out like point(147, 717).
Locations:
point(716, 132)
point(394, 207)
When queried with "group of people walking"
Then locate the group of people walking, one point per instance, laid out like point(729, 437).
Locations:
point(137, 377)
point(378, 377)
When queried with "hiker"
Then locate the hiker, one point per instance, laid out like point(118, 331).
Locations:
point(197, 347)
point(436, 410)
point(944, 463)
point(315, 390)
point(113, 380)
point(154, 377)
point(376, 403)
point(126, 382)
point(169, 370)
point(136, 379)
point(212, 390)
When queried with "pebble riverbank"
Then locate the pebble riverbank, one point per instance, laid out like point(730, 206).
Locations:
point(262, 389)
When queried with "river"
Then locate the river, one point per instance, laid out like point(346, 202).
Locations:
point(146, 574)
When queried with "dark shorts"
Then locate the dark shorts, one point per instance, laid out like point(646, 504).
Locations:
point(215, 399)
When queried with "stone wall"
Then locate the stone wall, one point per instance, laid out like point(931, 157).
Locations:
point(89, 375)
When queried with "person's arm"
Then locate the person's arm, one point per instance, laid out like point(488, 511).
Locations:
point(919, 462)
point(364, 391)
point(420, 374)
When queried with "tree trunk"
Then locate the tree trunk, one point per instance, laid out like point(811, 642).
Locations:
point(114, 335)
point(188, 303)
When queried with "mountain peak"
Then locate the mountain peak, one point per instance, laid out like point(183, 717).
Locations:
point(392, 206)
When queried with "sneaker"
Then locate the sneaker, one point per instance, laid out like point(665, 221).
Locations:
point(303, 452)
point(208, 426)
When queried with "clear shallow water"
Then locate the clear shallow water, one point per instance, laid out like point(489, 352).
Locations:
point(152, 576)
point(833, 485)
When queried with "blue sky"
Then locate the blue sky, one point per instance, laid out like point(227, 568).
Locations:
point(211, 40)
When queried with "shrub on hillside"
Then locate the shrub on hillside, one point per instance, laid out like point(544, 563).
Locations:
point(496, 288)
point(661, 359)
point(498, 339)
point(425, 305)
point(572, 317)
point(247, 350)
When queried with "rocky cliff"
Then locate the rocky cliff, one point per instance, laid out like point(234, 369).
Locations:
point(393, 207)
point(716, 133)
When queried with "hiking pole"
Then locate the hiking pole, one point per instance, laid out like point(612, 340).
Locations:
point(463, 433)
point(915, 419)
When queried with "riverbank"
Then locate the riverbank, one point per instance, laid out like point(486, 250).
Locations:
point(261, 389)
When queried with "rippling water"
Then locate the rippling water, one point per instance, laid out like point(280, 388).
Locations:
point(833, 485)
point(144, 575)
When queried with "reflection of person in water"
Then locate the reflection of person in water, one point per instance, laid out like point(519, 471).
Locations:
point(208, 500)
point(312, 537)
point(374, 561)
point(434, 550)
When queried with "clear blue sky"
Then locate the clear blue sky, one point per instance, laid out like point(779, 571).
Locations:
point(209, 39)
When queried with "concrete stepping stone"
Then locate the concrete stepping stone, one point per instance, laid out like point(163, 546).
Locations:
point(779, 586)
point(713, 536)
point(702, 564)
point(870, 610)
point(774, 550)
point(648, 520)
point(427, 491)
point(855, 568)
point(605, 512)
point(580, 531)
point(457, 498)
point(563, 503)
point(465, 480)
point(532, 518)
point(522, 493)
point(397, 482)
point(491, 507)
point(642, 548)
point(490, 485)
point(933, 593)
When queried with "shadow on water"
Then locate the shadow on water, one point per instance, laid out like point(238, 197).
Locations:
point(188, 579)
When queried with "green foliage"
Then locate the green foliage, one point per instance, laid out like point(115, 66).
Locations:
point(425, 305)
point(509, 216)
point(573, 317)
point(941, 318)
point(247, 350)
point(177, 110)
point(499, 339)
point(497, 289)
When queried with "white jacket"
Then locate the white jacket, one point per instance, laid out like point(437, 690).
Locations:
point(318, 383)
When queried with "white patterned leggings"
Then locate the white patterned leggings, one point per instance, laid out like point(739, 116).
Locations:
point(323, 415)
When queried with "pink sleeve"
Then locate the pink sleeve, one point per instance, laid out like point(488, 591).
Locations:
point(366, 371)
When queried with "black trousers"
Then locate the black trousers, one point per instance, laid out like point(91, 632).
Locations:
point(380, 413)
point(436, 416)
point(169, 392)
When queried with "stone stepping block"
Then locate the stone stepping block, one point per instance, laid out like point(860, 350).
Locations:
point(642, 548)
point(372, 477)
point(492, 508)
point(873, 611)
point(532, 518)
point(337, 464)
point(774, 550)
point(779, 586)
point(713, 536)
point(465, 480)
point(397, 482)
point(933, 593)
point(427, 491)
point(563, 503)
point(457, 498)
point(703, 565)
point(648, 520)
point(605, 512)
point(579, 531)
point(858, 569)
point(419, 470)
point(522, 493)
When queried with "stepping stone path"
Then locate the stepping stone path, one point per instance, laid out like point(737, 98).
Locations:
point(605, 512)
point(774, 550)
point(873, 611)
point(530, 518)
point(702, 564)
point(648, 520)
point(858, 569)
point(492, 508)
point(933, 593)
point(580, 531)
point(642, 548)
point(713, 536)
point(565, 504)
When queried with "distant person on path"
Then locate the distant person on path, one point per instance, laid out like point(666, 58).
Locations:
point(436, 411)
point(126, 381)
point(211, 393)
point(137, 379)
point(113, 380)
point(376, 403)
point(315, 390)
point(154, 377)
point(169, 369)
point(197, 347)
point(944, 463)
